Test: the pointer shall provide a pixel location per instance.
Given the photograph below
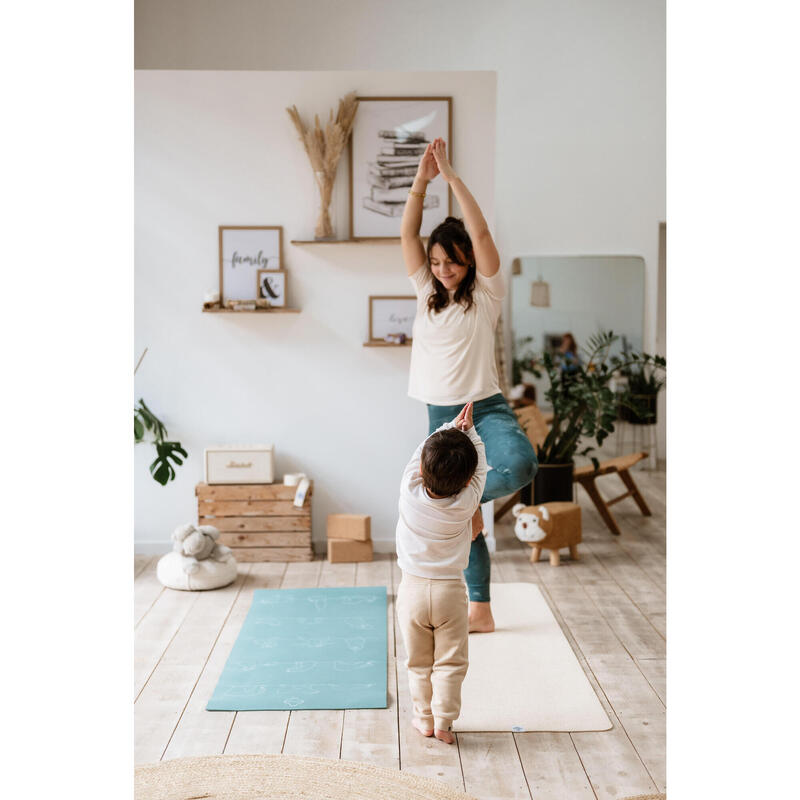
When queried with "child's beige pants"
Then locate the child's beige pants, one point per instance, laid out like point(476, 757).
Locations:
point(433, 617)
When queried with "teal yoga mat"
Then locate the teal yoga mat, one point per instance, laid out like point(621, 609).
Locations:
point(308, 648)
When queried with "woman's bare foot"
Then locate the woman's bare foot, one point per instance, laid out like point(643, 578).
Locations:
point(480, 617)
point(421, 727)
point(444, 736)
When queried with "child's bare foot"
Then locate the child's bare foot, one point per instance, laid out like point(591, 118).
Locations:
point(419, 725)
point(480, 618)
point(444, 736)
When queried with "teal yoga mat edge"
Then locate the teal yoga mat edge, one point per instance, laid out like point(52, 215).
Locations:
point(308, 649)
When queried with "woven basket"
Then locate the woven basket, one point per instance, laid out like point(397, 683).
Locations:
point(278, 777)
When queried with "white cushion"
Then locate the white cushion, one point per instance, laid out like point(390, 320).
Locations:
point(207, 574)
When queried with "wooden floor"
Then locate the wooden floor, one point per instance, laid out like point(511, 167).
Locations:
point(610, 604)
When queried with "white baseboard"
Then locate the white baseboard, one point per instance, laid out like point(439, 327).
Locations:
point(159, 548)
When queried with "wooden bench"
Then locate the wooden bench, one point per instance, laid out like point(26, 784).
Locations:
point(586, 477)
point(536, 425)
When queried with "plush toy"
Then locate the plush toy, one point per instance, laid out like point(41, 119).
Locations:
point(198, 543)
point(549, 526)
point(197, 561)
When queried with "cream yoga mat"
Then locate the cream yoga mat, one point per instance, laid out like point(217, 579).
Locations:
point(524, 676)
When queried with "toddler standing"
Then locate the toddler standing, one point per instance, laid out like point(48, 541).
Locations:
point(440, 493)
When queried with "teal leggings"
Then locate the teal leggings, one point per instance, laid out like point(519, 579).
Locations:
point(513, 465)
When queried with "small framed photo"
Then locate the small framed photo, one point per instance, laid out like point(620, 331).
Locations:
point(389, 138)
point(243, 251)
point(272, 286)
point(390, 316)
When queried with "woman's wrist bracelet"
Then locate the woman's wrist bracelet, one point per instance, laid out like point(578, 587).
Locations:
point(416, 194)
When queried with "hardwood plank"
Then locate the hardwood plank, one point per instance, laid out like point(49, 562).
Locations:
point(491, 766)
point(648, 734)
point(155, 632)
point(259, 524)
point(626, 688)
point(200, 732)
point(655, 670)
point(299, 575)
point(159, 707)
point(249, 555)
point(249, 508)
point(552, 767)
point(146, 590)
point(139, 563)
point(612, 764)
point(319, 732)
point(256, 731)
point(370, 735)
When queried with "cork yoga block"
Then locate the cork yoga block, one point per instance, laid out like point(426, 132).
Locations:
point(344, 551)
point(349, 526)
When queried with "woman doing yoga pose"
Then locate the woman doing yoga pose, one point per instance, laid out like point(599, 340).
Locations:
point(460, 291)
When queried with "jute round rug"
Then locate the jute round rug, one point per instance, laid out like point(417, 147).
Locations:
point(277, 777)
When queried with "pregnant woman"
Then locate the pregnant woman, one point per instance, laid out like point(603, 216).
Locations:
point(459, 292)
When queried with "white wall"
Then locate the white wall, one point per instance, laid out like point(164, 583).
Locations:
point(218, 148)
point(580, 152)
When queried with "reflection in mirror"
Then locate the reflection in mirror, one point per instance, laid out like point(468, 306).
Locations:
point(552, 296)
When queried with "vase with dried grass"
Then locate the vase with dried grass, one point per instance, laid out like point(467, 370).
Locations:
point(324, 147)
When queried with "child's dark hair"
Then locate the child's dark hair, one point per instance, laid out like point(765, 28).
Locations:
point(448, 461)
point(453, 237)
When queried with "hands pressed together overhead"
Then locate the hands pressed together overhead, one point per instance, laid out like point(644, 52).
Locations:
point(435, 161)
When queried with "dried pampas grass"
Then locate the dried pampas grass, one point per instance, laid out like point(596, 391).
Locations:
point(324, 148)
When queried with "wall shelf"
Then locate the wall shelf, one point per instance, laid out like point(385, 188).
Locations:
point(395, 239)
point(253, 311)
point(386, 344)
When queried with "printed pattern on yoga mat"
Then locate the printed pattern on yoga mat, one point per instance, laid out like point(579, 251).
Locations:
point(308, 648)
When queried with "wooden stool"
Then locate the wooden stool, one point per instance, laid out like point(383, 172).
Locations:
point(561, 524)
point(586, 477)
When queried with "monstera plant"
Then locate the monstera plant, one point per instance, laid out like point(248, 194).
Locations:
point(146, 422)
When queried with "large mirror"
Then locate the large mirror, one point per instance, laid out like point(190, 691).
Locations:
point(552, 296)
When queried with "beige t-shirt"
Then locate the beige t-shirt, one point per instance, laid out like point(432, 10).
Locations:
point(452, 352)
point(434, 535)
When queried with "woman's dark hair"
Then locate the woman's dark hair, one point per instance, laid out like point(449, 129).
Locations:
point(453, 237)
point(449, 459)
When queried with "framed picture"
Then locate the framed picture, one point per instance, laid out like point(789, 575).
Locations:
point(388, 140)
point(243, 251)
point(272, 286)
point(391, 315)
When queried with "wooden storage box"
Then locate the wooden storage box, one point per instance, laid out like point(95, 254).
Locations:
point(259, 522)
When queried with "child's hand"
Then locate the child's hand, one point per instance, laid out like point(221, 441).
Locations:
point(464, 419)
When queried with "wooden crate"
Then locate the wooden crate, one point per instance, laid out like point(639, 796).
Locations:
point(259, 522)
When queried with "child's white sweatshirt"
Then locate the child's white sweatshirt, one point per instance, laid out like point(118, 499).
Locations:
point(434, 535)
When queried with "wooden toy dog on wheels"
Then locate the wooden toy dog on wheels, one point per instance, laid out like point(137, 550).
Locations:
point(549, 526)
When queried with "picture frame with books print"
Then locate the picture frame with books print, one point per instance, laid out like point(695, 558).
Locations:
point(243, 251)
point(389, 138)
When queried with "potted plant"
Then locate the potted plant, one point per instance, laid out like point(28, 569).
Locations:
point(584, 407)
point(145, 420)
point(639, 401)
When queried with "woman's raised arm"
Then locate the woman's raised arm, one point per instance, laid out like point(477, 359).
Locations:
point(410, 241)
point(487, 259)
